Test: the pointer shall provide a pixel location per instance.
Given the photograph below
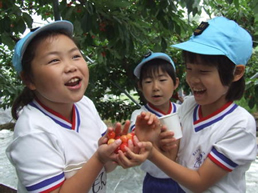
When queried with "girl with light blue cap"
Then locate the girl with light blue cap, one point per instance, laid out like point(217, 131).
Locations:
point(60, 141)
point(157, 81)
point(219, 137)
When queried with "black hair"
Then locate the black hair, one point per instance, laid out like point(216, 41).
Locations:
point(226, 69)
point(27, 95)
point(153, 66)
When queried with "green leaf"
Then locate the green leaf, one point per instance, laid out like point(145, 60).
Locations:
point(28, 20)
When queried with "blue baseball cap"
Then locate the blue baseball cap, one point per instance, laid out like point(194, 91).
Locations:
point(151, 56)
point(22, 44)
point(220, 36)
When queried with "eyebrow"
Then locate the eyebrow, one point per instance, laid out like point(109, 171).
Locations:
point(57, 52)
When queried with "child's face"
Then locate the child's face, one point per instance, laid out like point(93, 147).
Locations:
point(158, 89)
point(59, 72)
point(206, 85)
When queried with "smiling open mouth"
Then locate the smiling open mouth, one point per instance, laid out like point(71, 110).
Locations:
point(73, 82)
point(199, 91)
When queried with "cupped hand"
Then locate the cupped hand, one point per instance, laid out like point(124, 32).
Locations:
point(107, 153)
point(136, 155)
point(147, 127)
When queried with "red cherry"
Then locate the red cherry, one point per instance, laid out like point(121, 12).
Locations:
point(117, 149)
point(124, 138)
point(130, 136)
point(123, 147)
point(111, 134)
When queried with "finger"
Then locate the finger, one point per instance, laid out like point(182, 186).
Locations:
point(113, 146)
point(166, 134)
point(132, 159)
point(118, 128)
point(168, 141)
point(164, 127)
point(123, 160)
point(169, 147)
point(109, 129)
point(126, 127)
point(103, 140)
point(130, 144)
point(135, 142)
point(146, 145)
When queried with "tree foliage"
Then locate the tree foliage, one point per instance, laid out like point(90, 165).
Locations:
point(114, 35)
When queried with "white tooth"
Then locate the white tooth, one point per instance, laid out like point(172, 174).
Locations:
point(198, 90)
point(73, 80)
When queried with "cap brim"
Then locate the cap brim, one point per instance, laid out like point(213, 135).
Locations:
point(198, 48)
point(57, 25)
point(154, 56)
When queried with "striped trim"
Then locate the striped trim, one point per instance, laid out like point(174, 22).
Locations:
point(157, 112)
point(47, 185)
point(221, 160)
point(201, 123)
point(59, 119)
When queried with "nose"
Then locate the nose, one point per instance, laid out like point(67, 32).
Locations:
point(155, 85)
point(192, 78)
point(70, 67)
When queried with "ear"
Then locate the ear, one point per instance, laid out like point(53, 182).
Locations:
point(139, 86)
point(177, 83)
point(27, 81)
point(239, 72)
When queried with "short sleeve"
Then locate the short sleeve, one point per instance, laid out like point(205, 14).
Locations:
point(237, 147)
point(38, 160)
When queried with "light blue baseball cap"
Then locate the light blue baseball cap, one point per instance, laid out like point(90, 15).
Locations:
point(152, 56)
point(22, 44)
point(220, 36)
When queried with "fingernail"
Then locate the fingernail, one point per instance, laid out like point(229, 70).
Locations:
point(118, 141)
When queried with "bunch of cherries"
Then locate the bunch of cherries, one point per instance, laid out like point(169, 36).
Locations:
point(124, 138)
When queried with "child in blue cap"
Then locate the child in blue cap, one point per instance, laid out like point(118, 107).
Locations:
point(58, 144)
point(157, 81)
point(219, 136)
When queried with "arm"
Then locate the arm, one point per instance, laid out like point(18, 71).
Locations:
point(82, 181)
point(197, 181)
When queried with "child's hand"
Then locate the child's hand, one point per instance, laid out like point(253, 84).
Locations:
point(118, 128)
point(147, 127)
point(167, 141)
point(168, 145)
point(107, 153)
point(135, 154)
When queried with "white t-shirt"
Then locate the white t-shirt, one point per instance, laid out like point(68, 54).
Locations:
point(227, 137)
point(148, 166)
point(47, 148)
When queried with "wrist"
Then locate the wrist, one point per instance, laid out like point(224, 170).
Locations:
point(100, 159)
point(153, 153)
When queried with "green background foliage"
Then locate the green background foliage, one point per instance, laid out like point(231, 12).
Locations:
point(114, 35)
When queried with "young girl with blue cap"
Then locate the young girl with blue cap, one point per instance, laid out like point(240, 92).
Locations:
point(157, 81)
point(219, 137)
point(58, 144)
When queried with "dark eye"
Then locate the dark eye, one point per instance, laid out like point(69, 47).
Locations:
point(204, 71)
point(147, 81)
point(76, 56)
point(53, 61)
